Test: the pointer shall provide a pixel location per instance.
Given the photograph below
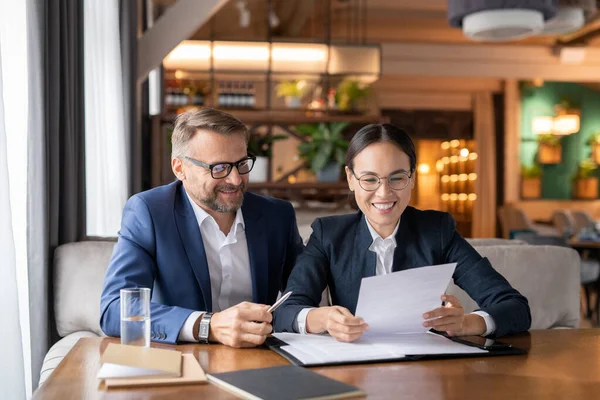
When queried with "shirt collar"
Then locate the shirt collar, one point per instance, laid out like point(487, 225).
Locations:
point(376, 237)
point(202, 215)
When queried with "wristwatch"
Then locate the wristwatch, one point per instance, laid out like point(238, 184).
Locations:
point(204, 328)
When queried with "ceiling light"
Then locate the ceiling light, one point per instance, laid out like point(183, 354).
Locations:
point(498, 20)
point(571, 16)
point(567, 20)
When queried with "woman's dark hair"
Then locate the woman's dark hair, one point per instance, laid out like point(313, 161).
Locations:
point(376, 133)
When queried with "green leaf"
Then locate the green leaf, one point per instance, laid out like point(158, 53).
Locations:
point(306, 129)
point(322, 157)
point(337, 128)
point(340, 156)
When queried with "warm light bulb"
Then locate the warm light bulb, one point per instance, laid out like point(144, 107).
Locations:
point(454, 197)
point(439, 166)
point(462, 196)
point(445, 145)
point(453, 178)
point(464, 152)
point(472, 196)
point(463, 177)
point(445, 178)
point(472, 176)
point(445, 197)
point(446, 160)
point(455, 143)
point(424, 168)
point(454, 159)
point(472, 156)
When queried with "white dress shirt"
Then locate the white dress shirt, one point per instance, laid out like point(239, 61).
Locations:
point(384, 248)
point(228, 266)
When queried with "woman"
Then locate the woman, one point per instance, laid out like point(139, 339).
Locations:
point(387, 236)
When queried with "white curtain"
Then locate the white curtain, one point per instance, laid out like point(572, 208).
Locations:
point(12, 372)
point(39, 278)
point(106, 161)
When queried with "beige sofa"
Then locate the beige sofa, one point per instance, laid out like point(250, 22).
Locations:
point(548, 276)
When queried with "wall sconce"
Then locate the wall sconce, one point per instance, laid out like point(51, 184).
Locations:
point(566, 122)
point(542, 125)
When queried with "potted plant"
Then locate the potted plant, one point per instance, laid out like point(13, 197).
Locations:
point(261, 146)
point(594, 142)
point(292, 91)
point(531, 182)
point(585, 184)
point(325, 151)
point(549, 149)
point(348, 94)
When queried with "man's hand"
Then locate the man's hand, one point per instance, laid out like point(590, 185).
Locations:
point(243, 325)
point(338, 321)
point(451, 318)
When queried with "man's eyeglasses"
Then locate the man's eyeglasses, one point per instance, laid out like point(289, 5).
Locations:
point(223, 169)
point(371, 182)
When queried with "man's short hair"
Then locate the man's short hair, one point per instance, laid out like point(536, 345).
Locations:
point(188, 123)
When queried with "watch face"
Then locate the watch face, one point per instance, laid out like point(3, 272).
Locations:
point(203, 330)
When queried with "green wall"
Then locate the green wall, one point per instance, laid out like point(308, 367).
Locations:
point(540, 101)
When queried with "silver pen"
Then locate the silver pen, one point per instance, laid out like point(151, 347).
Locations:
point(279, 302)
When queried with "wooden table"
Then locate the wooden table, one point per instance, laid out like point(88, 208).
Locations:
point(584, 244)
point(561, 364)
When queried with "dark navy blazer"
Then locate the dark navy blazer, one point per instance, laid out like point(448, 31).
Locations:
point(160, 246)
point(337, 255)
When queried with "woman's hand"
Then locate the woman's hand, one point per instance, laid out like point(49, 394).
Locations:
point(338, 321)
point(451, 319)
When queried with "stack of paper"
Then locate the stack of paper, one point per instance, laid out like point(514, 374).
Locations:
point(145, 366)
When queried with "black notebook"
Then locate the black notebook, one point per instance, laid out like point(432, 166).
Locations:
point(288, 382)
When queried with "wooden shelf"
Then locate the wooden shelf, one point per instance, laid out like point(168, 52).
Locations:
point(290, 117)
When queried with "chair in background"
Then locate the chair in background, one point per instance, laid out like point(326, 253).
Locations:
point(582, 219)
point(515, 219)
point(547, 276)
point(564, 222)
point(589, 272)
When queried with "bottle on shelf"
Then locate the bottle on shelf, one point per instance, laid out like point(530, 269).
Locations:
point(251, 95)
point(243, 95)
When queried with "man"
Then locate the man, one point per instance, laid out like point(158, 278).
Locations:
point(214, 255)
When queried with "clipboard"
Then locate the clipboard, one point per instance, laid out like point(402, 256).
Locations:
point(504, 349)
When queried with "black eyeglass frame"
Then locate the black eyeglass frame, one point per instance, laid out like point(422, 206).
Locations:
point(230, 165)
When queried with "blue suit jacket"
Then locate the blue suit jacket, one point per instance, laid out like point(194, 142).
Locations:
point(337, 255)
point(160, 247)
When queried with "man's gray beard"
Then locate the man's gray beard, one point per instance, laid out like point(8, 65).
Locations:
point(213, 203)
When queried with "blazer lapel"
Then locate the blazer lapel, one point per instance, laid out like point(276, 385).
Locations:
point(362, 243)
point(363, 265)
point(404, 243)
point(258, 249)
point(190, 235)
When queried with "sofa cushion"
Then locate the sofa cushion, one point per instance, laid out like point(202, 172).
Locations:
point(57, 352)
point(548, 276)
point(79, 270)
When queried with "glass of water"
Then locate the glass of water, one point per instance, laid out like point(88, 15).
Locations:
point(135, 317)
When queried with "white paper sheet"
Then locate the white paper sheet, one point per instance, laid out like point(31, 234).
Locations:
point(109, 370)
point(395, 303)
point(321, 349)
